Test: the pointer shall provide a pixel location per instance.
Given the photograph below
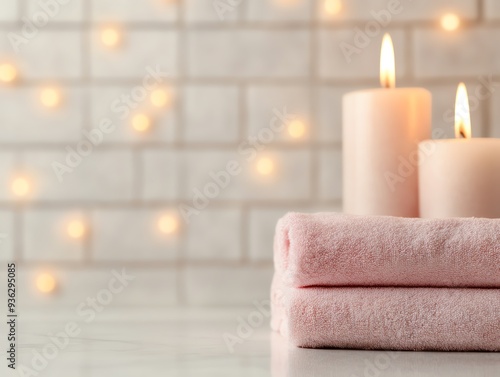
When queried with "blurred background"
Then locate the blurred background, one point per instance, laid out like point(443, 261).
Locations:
point(165, 138)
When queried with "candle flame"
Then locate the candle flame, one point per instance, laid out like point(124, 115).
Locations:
point(387, 63)
point(462, 114)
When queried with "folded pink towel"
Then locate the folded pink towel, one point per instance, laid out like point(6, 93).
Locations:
point(449, 319)
point(328, 249)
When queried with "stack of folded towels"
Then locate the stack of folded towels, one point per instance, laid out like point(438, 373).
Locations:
point(387, 283)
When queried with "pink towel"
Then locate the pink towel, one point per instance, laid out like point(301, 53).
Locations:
point(449, 319)
point(328, 249)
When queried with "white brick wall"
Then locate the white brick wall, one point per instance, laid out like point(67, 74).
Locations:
point(138, 50)
point(133, 11)
point(245, 53)
point(211, 113)
point(334, 64)
point(24, 119)
point(45, 236)
point(130, 235)
point(227, 74)
point(65, 11)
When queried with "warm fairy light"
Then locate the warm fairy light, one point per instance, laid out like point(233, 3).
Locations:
point(20, 186)
point(462, 114)
point(168, 224)
point(8, 73)
point(141, 122)
point(46, 283)
point(160, 97)
point(50, 97)
point(387, 63)
point(296, 129)
point(76, 229)
point(450, 22)
point(265, 166)
point(111, 36)
point(332, 7)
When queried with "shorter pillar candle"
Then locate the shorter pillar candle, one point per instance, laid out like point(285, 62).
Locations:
point(460, 177)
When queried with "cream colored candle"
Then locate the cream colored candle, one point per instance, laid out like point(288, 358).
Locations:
point(382, 130)
point(460, 177)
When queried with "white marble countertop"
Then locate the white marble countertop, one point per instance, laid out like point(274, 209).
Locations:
point(132, 342)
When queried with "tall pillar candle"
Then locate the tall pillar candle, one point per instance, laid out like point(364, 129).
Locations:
point(460, 177)
point(381, 132)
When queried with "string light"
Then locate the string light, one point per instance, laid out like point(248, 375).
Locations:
point(76, 229)
point(8, 73)
point(141, 122)
point(46, 283)
point(265, 166)
point(160, 97)
point(168, 224)
point(20, 186)
point(450, 22)
point(50, 97)
point(296, 129)
point(111, 36)
point(332, 7)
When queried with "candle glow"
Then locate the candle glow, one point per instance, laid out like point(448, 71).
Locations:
point(463, 129)
point(387, 63)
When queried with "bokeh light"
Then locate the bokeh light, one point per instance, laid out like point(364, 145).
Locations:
point(50, 97)
point(168, 223)
point(8, 73)
point(111, 36)
point(21, 186)
point(332, 7)
point(76, 228)
point(296, 129)
point(161, 97)
point(46, 283)
point(141, 122)
point(450, 22)
point(265, 166)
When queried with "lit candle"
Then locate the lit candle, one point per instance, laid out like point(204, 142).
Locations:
point(382, 129)
point(460, 177)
